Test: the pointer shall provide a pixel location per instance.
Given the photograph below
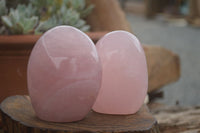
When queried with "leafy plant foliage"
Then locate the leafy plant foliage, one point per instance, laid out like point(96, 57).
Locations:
point(38, 16)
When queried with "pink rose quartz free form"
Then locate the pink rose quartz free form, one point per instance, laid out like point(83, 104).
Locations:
point(64, 75)
point(124, 76)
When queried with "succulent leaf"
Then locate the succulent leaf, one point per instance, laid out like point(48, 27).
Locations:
point(39, 16)
point(29, 24)
point(20, 20)
point(86, 12)
point(6, 21)
point(45, 25)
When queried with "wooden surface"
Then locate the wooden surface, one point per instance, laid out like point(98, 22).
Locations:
point(177, 119)
point(19, 117)
point(107, 16)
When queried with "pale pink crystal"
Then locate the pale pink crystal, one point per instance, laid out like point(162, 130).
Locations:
point(64, 75)
point(124, 77)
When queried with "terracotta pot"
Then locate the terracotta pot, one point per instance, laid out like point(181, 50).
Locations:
point(14, 55)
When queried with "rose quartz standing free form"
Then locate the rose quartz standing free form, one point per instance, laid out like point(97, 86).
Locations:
point(124, 77)
point(64, 75)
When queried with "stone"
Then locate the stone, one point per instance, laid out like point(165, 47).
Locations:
point(64, 75)
point(124, 74)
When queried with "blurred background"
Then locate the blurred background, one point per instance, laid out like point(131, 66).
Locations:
point(175, 25)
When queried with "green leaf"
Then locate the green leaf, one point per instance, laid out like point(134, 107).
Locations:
point(85, 28)
point(80, 23)
point(6, 21)
point(87, 11)
point(29, 24)
point(20, 20)
point(46, 25)
point(39, 16)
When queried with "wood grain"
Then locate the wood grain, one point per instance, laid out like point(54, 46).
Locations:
point(177, 119)
point(18, 116)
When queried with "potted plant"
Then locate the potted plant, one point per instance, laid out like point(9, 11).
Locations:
point(22, 24)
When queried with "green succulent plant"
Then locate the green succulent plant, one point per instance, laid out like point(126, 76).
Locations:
point(38, 16)
point(69, 17)
point(21, 20)
point(3, 11)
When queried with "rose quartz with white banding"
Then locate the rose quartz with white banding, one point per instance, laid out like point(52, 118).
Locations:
point(64, 75)
point(124, 77)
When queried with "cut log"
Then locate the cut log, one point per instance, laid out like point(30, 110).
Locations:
point(107, 16)
point(163, 66)
point(176, 119)
point(18, 116)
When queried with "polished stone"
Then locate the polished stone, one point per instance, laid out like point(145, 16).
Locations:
point(64, 75)
point(124, 74)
